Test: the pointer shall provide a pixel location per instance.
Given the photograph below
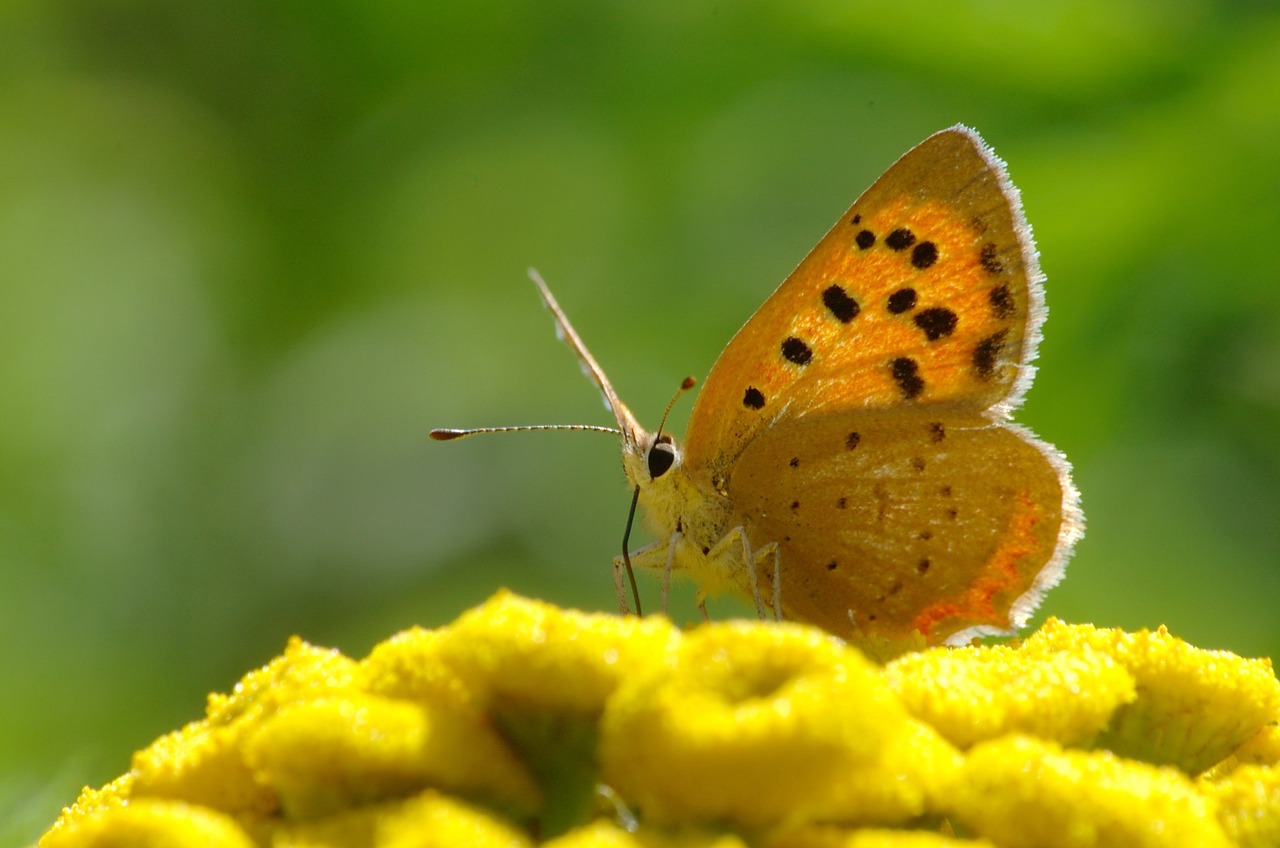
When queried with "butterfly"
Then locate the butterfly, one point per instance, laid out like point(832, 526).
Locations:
point(849, 460)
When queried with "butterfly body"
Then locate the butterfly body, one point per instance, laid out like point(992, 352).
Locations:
point(849, 460)
point(699, 532)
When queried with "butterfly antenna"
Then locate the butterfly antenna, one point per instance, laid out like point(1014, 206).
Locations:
point(448, 434)
point(564, 331)
point(685, 385)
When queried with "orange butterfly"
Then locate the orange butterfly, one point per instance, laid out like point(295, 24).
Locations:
point(849, 461)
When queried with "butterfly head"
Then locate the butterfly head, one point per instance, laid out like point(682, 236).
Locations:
point(649, 459)
point(661, 455)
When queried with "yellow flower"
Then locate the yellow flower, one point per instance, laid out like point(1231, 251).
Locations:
point(432, 820)
point(759, 724)
point(1193, 706)
point(302, 670)
point(410, 666)
point(357, 827)
point(605, 834)
point(543, 676)
point(984, 692)
point(324, 755)
point(88, 810)
point(833, 837)
point(203, 764)
point(1263, 749)
point(1019, 791)
point(1248, 804)
point(535, 654)
point(522, 724)
point(151, 823)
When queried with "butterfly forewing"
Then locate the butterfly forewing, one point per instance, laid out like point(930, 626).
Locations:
point(925, 292)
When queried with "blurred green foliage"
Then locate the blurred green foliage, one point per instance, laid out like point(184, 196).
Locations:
point(250, 252)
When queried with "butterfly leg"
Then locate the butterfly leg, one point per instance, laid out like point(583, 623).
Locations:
point(666, 572)
point(761, 560)
point(619, 585)
point(658, 556)
point(733, 552)
point(777, 579)
point(702, 606)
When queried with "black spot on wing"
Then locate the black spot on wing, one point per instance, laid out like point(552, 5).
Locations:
point(986, 354)
point(901, 301)
point(794, 350)
point(840, 304)
point(936, 322)
point(924, 255)
point(900, 239)
point(905, 372)
point(1001, 300)
point(989, 259)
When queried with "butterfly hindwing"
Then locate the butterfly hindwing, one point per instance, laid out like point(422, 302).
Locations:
point(928, 520)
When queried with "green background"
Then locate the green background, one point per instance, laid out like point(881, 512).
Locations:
point(251, 252)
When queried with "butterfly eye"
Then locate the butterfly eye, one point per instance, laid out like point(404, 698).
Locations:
point(661, 457)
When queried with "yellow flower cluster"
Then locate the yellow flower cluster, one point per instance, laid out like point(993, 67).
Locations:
point(522, 724)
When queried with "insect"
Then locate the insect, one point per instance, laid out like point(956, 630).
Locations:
point(849, 461)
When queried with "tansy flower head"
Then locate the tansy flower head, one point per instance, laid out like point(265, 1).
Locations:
point(1019, 792)
point(767, 724)
point(152, 823)
point(1262, 749)
point(1193, 707)
point(984, 692)
point(606, 834)
point(1248, 802)
point(517, 650)
point(522, 724)
point(834, 837)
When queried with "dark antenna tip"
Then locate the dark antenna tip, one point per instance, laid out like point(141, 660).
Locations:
point(685, 385)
